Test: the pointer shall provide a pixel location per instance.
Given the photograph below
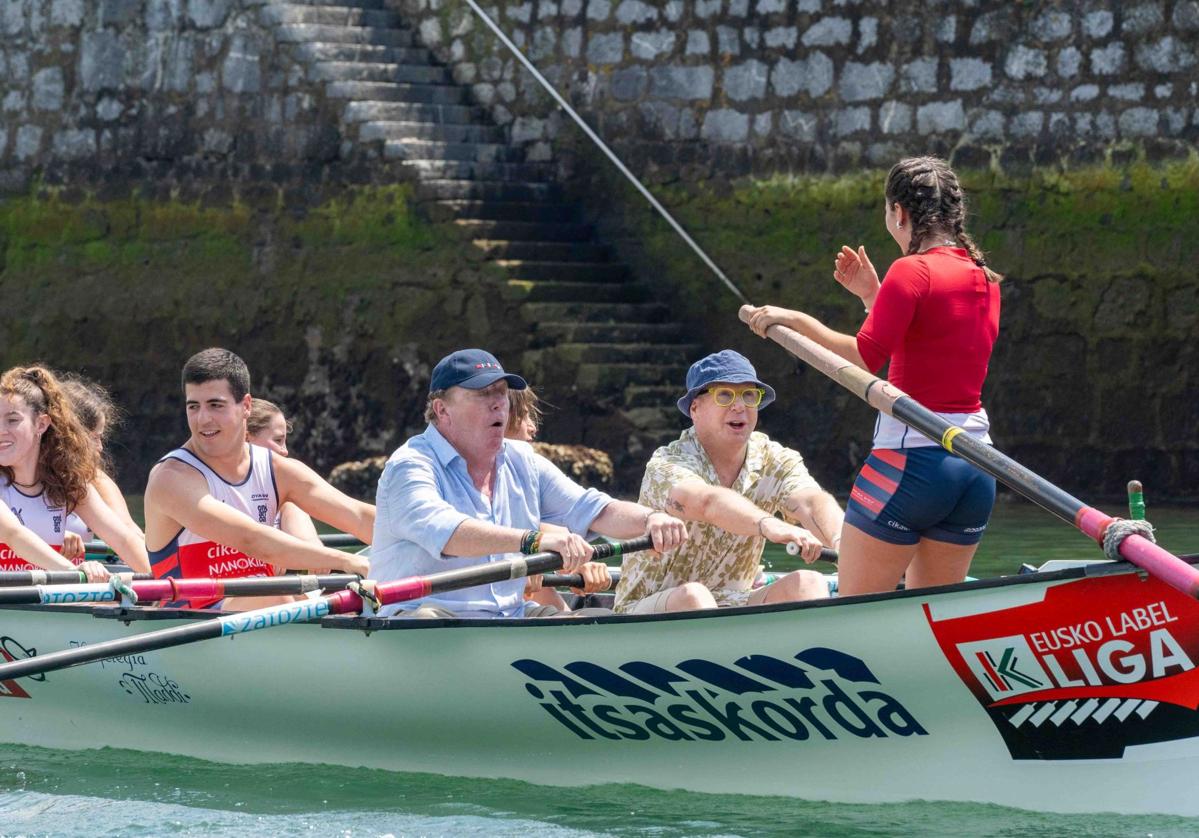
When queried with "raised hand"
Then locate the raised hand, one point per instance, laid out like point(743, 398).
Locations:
point(854, 271)
point(72, 545)
point(763, 317)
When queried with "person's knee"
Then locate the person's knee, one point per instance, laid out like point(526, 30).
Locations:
point(799, 585)
point(689, 597)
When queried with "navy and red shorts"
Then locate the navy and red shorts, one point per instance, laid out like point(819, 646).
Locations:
point(905, 494)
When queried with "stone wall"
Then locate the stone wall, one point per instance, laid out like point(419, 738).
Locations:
point(731, 86)
point(107, 90)
point(340, 306)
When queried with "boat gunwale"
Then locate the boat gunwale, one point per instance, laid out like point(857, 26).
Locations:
point(374, 623)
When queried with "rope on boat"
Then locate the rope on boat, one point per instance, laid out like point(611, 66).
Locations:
point(119, 582)
point(366, 590)
point(1120, 529)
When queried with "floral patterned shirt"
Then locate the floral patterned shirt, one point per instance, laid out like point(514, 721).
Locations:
point(725, 563)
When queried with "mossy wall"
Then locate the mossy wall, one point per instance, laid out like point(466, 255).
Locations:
point(1094, 378)
point(340, 306)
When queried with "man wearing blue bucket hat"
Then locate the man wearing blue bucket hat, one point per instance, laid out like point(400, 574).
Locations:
point(460, 494)
point(729, 482)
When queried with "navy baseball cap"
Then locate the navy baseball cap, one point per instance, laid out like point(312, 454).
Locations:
point(473, 369)
point(725, 366)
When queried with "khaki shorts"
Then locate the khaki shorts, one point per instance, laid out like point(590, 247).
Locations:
point(656, 603)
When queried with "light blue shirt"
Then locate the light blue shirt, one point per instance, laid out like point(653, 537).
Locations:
point(425, 494)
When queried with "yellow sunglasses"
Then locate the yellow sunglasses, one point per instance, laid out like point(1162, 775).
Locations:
point(725, 396)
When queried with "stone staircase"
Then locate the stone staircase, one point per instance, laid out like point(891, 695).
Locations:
point(592, 327)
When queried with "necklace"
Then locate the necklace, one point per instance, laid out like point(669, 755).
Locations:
point(25, 485)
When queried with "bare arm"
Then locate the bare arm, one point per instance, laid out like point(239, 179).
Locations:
point(624, 519)
point(297, 522)
point(305, 488)
point(126, 540)
point(110, 493)
point(695, 500)
point(844, 345)
point(177, 496)
point(819, 511)
point(27, 545)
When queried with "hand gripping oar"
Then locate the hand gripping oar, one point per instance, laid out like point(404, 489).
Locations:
point(153, 590)
point(342, 602)
point(888, 398)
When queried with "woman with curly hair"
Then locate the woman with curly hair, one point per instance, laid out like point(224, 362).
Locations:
point(99, 415)
point(915, 507)
point(47, 468)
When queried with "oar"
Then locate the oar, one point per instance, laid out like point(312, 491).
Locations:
point(575, 580)
point(891, 400)
point(17, 578)
point(342, 602)
point(153, 590)
point(335, 539)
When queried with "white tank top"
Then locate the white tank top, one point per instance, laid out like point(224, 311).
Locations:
point(192, 555)
point(48, 523)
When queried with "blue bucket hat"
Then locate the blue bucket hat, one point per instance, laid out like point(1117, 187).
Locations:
point(725, 366)
point(473, 369)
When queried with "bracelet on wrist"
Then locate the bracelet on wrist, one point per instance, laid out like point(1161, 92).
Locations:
point(530, 541)
point(760, 520)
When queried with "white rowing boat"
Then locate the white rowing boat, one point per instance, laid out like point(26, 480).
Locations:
point(1067, 691)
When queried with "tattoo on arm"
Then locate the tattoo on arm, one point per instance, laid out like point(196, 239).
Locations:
point(675, 505)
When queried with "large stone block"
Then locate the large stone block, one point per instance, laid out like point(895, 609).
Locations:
point(1139, 122)
point(941, 117)
point(118, 12)
point(1053, 25)
point(725, 126)
point(1108, 60)
point(101, 61)
point(800, 125)
point(827, 32)
point(1069, 61)
point(241, 71)
point(1186, 16)
point(918, 76)
point(681, 82)
point(66, 12)
point(207, 14)
point(746, 81)
point(75, 144)
point(1097, 24)
point(813, 75)
point(895, 117)
point(1025, 62)
point(1141, 19)
point(633, 12)
point(867, 33)
point(28, 142)
point(1165, 55)
point(47, 89)
point(969, 73)
point(605, 48)
point(649, 45)
point(986, 125)
point(728, 40)
point(780, 37)
point(598, 9)
point(862, 82)
point(847, 121)
point(1026, 125)
point(698, 43)
point(628, 84)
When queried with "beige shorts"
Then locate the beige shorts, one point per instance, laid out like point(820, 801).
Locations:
point(656, 603)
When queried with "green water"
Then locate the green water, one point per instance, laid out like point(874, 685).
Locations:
point(121, 793)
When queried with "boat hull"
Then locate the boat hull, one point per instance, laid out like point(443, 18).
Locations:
point(1066, 693)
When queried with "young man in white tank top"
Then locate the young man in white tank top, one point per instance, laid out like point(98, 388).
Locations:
point(211, 504)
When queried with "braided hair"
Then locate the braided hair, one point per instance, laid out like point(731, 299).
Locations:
point(929, 190)
point(66, 461)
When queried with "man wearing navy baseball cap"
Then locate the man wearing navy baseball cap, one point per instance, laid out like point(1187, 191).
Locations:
point(730, 482)
point(460, 494)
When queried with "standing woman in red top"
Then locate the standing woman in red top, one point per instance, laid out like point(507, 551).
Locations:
point(916, 508)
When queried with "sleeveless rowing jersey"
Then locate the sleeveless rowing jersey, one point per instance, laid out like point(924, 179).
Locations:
point(48, 523)
point(191, 555)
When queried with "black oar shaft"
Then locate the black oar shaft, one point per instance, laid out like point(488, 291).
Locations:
point(336, 539)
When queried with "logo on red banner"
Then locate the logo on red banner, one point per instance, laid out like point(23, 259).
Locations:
point(1095, 666)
